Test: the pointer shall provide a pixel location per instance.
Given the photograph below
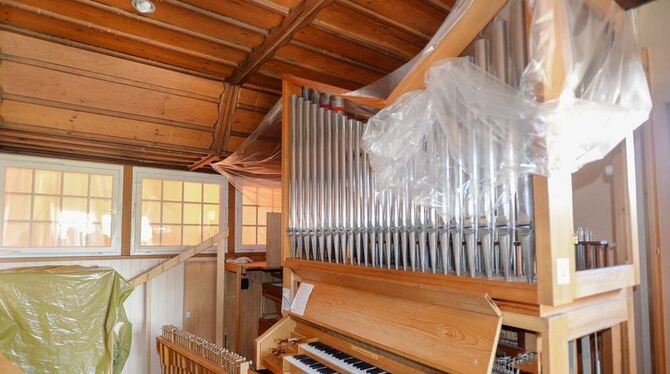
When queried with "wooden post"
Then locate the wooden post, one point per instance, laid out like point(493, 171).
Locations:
point(220, 278)
point(555, 352)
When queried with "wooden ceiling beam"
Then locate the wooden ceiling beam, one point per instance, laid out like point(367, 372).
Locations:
point(217, 16)
point(137, 38)
point(224, 123)
point(379, 17)
point(299, 16)
point(204, 162)
point(158, 23)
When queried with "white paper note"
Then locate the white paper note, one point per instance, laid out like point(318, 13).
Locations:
point(285, 299)
point(562, 271)
point(301, 297)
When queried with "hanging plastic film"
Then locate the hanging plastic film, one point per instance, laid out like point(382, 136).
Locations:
point(64, 319)
point(256, 163)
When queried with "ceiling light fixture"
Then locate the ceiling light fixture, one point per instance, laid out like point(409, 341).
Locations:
point(144, 6)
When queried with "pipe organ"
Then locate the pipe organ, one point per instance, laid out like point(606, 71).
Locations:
point(356, 256)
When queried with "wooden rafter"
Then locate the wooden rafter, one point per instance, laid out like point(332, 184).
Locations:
point(227, 106)
point(300, 16)
point(203, 162)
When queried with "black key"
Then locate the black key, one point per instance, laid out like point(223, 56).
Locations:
point(375, 371)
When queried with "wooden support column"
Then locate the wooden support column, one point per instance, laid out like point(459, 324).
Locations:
point(300, 16)
point(555, 353)
point(220, 277)
point(127, 213)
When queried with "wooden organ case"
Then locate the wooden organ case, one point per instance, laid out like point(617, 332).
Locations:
point(396, 311)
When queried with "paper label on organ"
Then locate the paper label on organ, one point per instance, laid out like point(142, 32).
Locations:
point(301, 297)
point(285, 299)
point(562, 271)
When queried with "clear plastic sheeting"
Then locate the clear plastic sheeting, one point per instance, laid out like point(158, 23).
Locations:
point(256, 163)
point(471, 135)
point(64, 319)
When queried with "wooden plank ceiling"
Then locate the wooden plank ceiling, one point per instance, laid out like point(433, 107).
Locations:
point(220, 63)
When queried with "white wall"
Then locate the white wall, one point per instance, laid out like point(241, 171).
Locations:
point(167, 295)
point(653, 26)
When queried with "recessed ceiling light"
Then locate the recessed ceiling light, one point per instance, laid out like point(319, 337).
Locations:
point(144, 6)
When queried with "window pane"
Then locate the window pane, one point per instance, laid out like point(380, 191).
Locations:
point(263, 215)
point(249, 215)
point(45, 208)
point(191, 235)
point(44, 235)
point(17, 207)
point(172, 190)
point(100, 210)
point(98, 236)
point(150, 234)
point(47, 182)
point(73, 234)
point(151, 212)
point(151, 189)
point(193, 192)
point(192, 213)
point(211, 192)
point(172, 213)
point(16, 234)
point(18, 180)
point(75, 184)
point(210, 214)
point(262, 234)
point(264, 197)
point(248, 235)
point(101, 185)
point(74, 221)
point(249, 196)
point(171, 235)
point(209, 231)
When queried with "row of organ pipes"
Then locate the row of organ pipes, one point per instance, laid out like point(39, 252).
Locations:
point(337, 216)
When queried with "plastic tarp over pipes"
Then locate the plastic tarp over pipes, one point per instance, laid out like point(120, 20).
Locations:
point(64, 319)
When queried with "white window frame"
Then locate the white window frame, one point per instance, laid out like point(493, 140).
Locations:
point(239, 247)
point(43, 163)
point(141, 172)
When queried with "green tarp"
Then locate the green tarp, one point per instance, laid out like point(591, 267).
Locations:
point(64, 319)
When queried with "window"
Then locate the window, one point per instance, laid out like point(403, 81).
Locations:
point(175, 210)
point(253, 204)
point(55, 207)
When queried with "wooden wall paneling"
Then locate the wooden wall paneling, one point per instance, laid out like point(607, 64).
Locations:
point(246, 121)
point(82, 124)
point(299, 16)
point(36, 23)
point(108, 67)
point(200, 292)
point(255, 100)
point(335, 44)
point(30, 81)
point(259, 81)
point(234, 142)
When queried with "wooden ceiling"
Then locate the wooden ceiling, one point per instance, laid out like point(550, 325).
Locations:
point(244, 45)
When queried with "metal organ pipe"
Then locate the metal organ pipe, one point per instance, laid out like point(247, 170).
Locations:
point(336, 215)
